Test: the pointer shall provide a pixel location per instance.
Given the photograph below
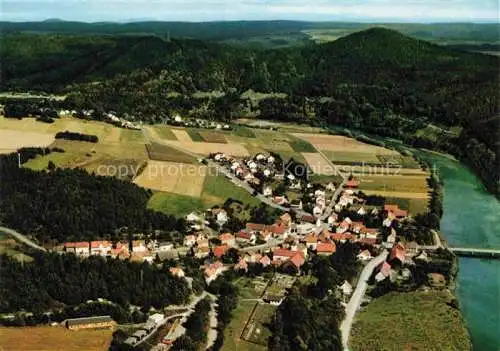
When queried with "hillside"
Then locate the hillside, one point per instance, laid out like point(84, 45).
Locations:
point(377, 80)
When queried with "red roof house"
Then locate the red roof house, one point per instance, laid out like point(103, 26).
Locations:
point(219, 251)
point(326, 248)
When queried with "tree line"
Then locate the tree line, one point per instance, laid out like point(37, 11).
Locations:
point(52, 280)
point(77, 136)
point(37, 203)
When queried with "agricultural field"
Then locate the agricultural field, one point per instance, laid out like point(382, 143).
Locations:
point(299, 145)
point(318, 164)
point(162, 152)
point(164, 132)
point(342, 143)
point(217, 189)
point(173, 177)
point(243, 132)
point(53, 339)
point(424, 320)
point(11, 140)
point(195, 135)
point(234, 330)
point(213, 137)
point(400, 183)
point(256, 330)
point(413, 205)
point(251, 288)
point(116, 146)
point(175, 204)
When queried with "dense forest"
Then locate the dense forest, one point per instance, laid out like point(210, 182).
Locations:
point(55, 281)
point(38, 203)
point(378, 81)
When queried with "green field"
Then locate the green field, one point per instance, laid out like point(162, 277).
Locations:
point(413, 206)
point(256, 330)
point(175, 204)
point(413, 321)
point(217, 189)
point(299, 145)
point(195, 135)
point(165, 132)
point(161, 152)
point(232, 333)
point(251, 288)
point(346, 157)
point(243, 132)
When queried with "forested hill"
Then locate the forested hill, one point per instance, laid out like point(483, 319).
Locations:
point(377, 80)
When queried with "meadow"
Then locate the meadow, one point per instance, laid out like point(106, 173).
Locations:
point(416, 320)
point(53, 339)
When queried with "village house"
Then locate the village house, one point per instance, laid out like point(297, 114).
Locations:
point(268, 191)
point(121, 251)
point(177, 272)
point(98, 322)
point(384, 271)
point(343, 227)
point(202, 252)
point(411, 249)
point(244, 237)
point(139, 246)
point(346, 288)
point(352, 184)
point(325, 249)
point(212, 271)
point(342, 237)
point(252, 257)
point(286, 219)
point(189, 240)
point(227, 239)
point(164, 246)
point(357, 227)
point(220, 216)
point(364, 255)
point(311, 240)
point(241, 265)
point(265, 235)
point(220, 250)
point(361, 211)
point(398, 253)
point(369, 233)
point(81, 248)
point(100, 248)
point(395, 211)
point(193, 217)
point(265, 261)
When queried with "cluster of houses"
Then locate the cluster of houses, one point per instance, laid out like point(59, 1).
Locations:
point(137, 250)
point(177, 120)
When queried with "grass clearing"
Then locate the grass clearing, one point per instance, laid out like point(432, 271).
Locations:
point(217, 189)
point(213, 137)
point(161, 152)
point(256, 330)
point(164, 132)
point(54, 338)
point(243, 132)
point(11, 140)
point(11, 248)
point(416, 320)
point(175, 204)
point(318, 164)
point(173, 177)
point(302, 146)
point(251, 288)
point(195, 135)
point(349, 157)
point(417, 184)
point(232, 333)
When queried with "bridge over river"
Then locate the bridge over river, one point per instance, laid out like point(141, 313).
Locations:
point(474, 252)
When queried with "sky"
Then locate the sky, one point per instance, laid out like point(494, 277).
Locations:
point(216, 10)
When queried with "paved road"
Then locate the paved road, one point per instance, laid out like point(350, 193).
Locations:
point(271, 243)
point(212, 332)
point(355, 301)
point(22, 238)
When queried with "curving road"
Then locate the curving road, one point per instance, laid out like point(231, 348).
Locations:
point(21, 238)
point(355, 301)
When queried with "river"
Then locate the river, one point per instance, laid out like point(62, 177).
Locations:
point(472, 219)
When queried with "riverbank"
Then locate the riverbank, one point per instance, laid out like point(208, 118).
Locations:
point(417, 320)
point(471, 219)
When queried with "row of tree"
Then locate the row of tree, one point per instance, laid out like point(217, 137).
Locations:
point(77, 136)
point(37, 203)
point(52, 280)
